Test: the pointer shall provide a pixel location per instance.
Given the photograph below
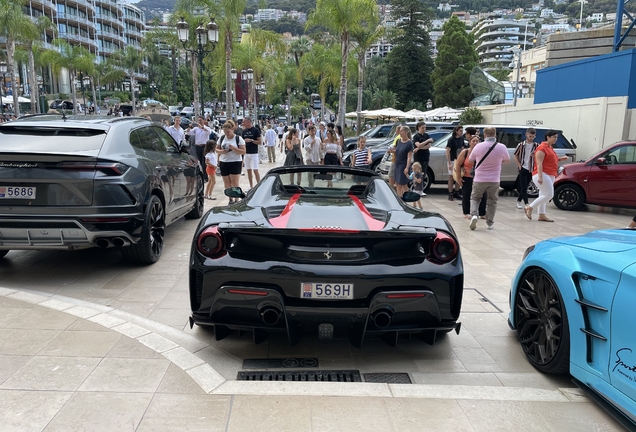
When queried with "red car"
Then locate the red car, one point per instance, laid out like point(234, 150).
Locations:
point(608, 178)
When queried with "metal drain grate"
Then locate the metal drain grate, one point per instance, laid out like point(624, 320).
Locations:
point(389, 378)
point(320, 375)
point(280, 363)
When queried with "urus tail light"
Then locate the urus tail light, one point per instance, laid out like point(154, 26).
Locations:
point(108, 168)
point(210, 243)
point(444, 248)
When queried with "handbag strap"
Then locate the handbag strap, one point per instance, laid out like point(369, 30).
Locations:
point(486, 155)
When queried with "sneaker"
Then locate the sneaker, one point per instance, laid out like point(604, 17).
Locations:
point(473, 222)
point(489, 227)
point(423, 194)
point(519, 206)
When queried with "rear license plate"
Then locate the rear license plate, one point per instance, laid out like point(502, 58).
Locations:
point(326, 290)
point(17, 192)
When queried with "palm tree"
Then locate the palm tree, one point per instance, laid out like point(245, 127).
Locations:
point(324, 64)
point(75, 58)
point(130, 60)
point(30, 36)
point(250, 53)
point(342, 17)
point(12, 24)
point(299, 47)
point(364, 36)
point(231, 10)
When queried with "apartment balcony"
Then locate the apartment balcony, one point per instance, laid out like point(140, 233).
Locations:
point(109, 36)
point(86, 23)
point(507, 33)
point(45, 4)
point(111, 20)
point(112, 4)
point(503, 43)
point(85, 3)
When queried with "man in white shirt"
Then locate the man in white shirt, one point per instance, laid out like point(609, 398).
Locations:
point(176, 131)
point(312, 143)
point(270, 140)
point(201, 133)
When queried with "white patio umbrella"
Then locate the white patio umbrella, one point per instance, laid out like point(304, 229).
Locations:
point(23, 99)
point(416, 113)
point(386, 113)
point(444, 113)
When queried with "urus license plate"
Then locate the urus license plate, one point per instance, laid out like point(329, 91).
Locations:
point(17, 192)
point(322, 290)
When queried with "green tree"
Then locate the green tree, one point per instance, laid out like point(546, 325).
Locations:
point(409, 63)
point(75, 58)
point(471, 115)
point(30, 36)
point(456, 58)
point(299, 47)
point(13, 23)
point(364, 36)
point(322, 63)
point(342, 17)
point(375, 73)
point(499, 71)
point(130, 59)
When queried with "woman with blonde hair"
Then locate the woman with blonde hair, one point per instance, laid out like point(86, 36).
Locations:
point(294, 153)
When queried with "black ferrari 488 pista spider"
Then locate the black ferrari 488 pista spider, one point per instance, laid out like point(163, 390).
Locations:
point(327, 249)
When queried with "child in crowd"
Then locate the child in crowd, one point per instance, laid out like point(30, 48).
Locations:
point(210, 167)
point(418, 182)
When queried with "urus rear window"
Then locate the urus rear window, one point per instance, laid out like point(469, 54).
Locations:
point(82, 141)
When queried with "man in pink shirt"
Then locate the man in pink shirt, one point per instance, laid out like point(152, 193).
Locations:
point(487, 157)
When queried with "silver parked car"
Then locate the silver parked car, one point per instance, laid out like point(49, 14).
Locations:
point(71, 183)
point(508, 135)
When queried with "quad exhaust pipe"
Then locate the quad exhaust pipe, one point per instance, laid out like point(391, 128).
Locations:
point(102, 243)
point(382, 318)
point(270, 316)
point(120, 242)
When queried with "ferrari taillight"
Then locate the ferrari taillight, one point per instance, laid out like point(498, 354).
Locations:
point(210, 243)
point(443, 248)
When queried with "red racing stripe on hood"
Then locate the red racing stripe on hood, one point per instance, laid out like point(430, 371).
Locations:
point(373, 224)
point(282, 220)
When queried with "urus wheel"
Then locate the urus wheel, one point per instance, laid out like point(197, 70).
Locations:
point(542, 323)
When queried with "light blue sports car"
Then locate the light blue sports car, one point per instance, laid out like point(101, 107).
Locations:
point(573, 304)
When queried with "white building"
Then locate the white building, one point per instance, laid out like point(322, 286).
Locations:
point(598, 17)
point(496, 38)
point(269, 14)
point(547, 13)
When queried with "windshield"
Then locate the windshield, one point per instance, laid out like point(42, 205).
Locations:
point(325, 182)
point(441, 142)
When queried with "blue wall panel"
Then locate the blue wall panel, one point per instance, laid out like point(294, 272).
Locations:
point(603, 76)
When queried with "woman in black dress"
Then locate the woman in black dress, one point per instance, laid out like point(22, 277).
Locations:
point(332, 150)
point(294, 153)
point(453, 148)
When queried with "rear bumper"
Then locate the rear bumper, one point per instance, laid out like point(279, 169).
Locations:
point(64, 233)
point(380, 315)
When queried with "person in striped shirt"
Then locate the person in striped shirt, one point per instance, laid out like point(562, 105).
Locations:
point(361, 158)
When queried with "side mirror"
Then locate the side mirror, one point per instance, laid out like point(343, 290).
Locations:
point(234, 192)
point(410, 196)
point(600, 161)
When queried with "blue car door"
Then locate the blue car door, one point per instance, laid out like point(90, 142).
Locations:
point(622, 365)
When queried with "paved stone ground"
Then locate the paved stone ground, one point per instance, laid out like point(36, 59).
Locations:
point(52, 353)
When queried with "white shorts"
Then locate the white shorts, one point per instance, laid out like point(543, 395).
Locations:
point(251, 161)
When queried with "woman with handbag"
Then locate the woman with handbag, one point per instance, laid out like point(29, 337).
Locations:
point(462, 175)
point(294, 153)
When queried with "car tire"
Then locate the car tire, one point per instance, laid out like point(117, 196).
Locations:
point(533, 190)
point(197, 210)
point(569, 196)
point(542, 323)
point(148, 249)
point(427, 180)
point(3, 253)
point(375, 165)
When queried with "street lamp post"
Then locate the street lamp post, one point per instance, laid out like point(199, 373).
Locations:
point(246, 77)
point(517, 55)
point(233, 73)
point(3, 71)
point(153, 87)
point(209, 33)
point(429, 104)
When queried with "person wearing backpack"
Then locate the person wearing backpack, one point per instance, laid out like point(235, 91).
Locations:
point(488, 156)
point(230, 148)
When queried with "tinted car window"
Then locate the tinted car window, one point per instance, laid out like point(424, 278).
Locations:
point(513, 136)
point(166, 139)
point(625, 154)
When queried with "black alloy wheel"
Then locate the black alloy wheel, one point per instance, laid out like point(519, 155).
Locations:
point(569, 196)
point(3, 253)
point(149, 248)
point(427, 180)
point(542, 324)
point(199, 204)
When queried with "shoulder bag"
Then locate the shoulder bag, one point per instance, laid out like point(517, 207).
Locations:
point(474, 168)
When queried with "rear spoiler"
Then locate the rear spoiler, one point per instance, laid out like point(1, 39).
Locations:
point(252, 228)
